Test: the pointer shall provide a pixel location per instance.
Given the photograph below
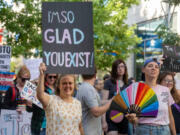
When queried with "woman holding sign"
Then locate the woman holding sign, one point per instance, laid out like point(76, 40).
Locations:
point(13, 99)
point(163, 124)
point(63, 112)
point(167, 79)
point(38, 121)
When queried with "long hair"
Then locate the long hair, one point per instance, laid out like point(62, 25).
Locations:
point(114, 74)
point(57, 90)
point(174, 90)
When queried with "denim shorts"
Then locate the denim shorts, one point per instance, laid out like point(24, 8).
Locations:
point(143, 129)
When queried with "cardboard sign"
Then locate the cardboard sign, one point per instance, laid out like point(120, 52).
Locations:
point(6, 80)
point(33, 66)
point(68, 37)
point(5, 58)
point(29, 93)
point(172, 58)
point(13, 123)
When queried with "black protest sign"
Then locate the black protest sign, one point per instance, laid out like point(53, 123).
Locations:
point(172, 58)
point(68, 37)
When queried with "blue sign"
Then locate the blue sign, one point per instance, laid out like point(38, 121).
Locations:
point(151, 44)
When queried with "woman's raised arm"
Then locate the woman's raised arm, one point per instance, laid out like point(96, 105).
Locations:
point(41, 95)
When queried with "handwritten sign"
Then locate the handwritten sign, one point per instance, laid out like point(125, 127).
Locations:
point(13, 123)
point(68, 37)
point(6, 80)
point(5, 58)
point(172, 58)
point(29, 93)
point(33, 66)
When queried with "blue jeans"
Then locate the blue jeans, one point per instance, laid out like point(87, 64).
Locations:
point(43, 132)
point(130, 129)
point(143, 129)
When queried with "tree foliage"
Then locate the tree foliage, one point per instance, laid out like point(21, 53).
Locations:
point(111, 34)
point(168, 36)
point(164, 30)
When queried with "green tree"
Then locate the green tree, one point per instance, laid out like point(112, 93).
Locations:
point(111, 34)
point(164, 30)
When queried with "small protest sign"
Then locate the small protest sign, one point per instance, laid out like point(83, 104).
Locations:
point(68, 37)
point(172, 58)
point(5, 58)
point(29, 93)
point(6, 80)
point(13, 123)
point(33, 66)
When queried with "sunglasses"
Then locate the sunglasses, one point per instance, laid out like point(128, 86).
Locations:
point(25, 79)
point(50, 77)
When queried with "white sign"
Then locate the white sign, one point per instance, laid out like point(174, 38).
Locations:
point(177, 79)
point(33, 66)
point(13, 123)
point(5, 58)
point(29, 93)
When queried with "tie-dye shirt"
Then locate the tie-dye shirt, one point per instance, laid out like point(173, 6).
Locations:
point(63, 118)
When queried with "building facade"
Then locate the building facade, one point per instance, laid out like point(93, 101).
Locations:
point(148, 15)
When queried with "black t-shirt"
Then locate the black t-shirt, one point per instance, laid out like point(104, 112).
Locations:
point(121, 127)
point(176, 114)
point(111, 87)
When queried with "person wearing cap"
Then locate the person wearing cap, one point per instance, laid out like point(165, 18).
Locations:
point(163, 124)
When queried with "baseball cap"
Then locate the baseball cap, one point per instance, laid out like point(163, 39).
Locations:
point(151, 60)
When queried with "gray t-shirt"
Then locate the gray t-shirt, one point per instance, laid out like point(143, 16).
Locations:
point(89, 98)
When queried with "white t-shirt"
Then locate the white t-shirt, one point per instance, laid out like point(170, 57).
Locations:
point(165, 100)
point(63, 118)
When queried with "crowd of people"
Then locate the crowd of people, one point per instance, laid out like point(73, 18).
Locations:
point(68, 110)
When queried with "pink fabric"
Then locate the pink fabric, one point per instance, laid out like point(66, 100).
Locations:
point(165, 100)
point(129, 93)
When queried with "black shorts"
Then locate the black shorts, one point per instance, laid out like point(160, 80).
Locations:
point(121, 127)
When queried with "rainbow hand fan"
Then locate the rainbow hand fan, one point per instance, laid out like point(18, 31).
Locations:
point(138, 98)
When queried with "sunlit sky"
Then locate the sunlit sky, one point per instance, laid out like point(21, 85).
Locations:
point(15, 8)
point(8, 1)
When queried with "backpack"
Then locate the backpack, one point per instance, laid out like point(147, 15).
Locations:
point(13, 97)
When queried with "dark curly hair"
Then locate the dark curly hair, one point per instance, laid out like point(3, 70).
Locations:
point(114, 74)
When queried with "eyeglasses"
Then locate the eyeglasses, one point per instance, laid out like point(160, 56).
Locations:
point(24, 79)
point(121, 66)
point(168, 81)
point(50, 77)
